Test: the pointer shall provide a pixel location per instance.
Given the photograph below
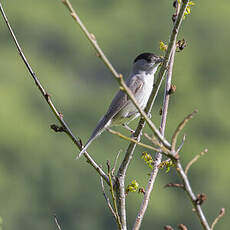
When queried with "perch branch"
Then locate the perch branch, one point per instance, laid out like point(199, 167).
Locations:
point(135, 141)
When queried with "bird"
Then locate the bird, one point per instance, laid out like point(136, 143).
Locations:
point(122, 110)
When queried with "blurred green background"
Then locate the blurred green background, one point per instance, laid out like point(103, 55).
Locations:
point(38, 173)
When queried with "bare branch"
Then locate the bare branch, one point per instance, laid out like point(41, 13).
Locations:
point(182, 227)
point(168, 227)
point(191, 195)
point(115, 163)
point(47, 97)
point(180, 127)
point(113, 197)
point(56, 222)
point(174, 185)
point(134, 140)
point(162, 149)
point(153, 139)
point(181, 145)
point(221, 214)
point(190, 163)
point(107, 199)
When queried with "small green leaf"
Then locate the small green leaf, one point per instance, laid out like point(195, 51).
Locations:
point(148, 159)
point(132, 187)
point(163, 46)
point(188, 8)
point(167, 165)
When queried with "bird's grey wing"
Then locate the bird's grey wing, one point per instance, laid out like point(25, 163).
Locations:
point(121, 99)
point(118, 103)
point(135, 84)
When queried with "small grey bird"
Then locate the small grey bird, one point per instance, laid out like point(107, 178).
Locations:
point(122, 110)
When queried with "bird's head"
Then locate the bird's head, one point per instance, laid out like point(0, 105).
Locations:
point(146, 62)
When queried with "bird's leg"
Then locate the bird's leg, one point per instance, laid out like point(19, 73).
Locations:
point(132, 131)
point(128, 128)
point(149, 116)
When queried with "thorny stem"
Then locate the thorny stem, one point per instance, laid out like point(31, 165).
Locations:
point(46, 96)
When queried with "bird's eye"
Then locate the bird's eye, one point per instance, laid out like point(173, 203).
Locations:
point(149, 60)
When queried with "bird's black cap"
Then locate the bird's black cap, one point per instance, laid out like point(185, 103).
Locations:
point(149, 57)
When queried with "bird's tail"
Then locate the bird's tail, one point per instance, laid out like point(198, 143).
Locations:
point(102, 124)
point(86, 147)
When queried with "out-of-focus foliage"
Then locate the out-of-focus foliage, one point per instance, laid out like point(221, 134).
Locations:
point(38, 173)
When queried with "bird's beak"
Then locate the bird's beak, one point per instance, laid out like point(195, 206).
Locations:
point(159, 60)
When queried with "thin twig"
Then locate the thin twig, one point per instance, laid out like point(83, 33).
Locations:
point(164, 150)
point(190, 163)
point(174, 185)
point(221, 214)
point(192, 196)
point(107, 199)
point(46, 96)
point(113, 197)
point(168, 227)
point(182, 227)
point(115, 163)
point(179, 128)
point(134, 140)
point(152, 139)
point(181, 145)
point(56, 222)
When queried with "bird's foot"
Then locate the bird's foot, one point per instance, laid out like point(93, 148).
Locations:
point(128, 128)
